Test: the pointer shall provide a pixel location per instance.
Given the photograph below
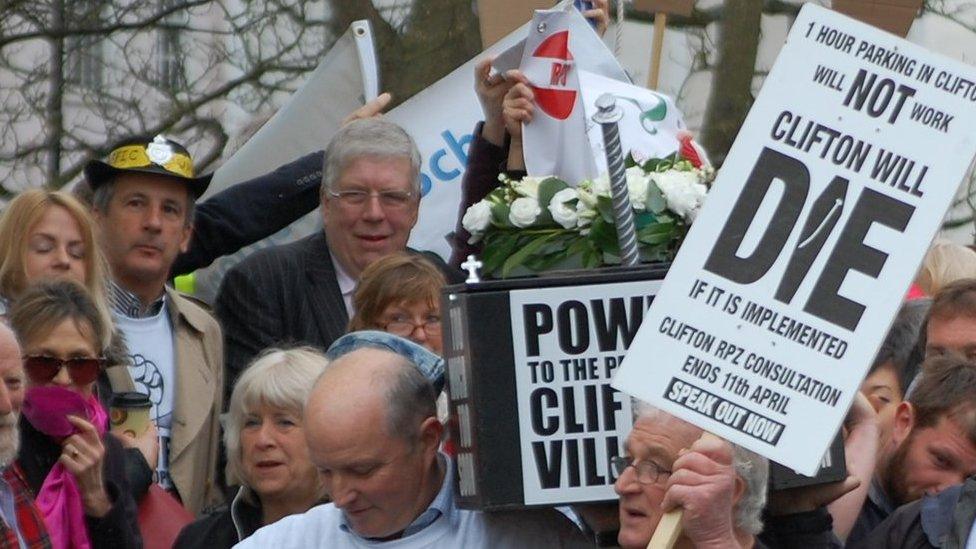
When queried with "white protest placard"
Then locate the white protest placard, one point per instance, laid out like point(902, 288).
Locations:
point(567, 343)
point(813, 231)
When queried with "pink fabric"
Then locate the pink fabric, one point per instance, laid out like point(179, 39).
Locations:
point(59, 500)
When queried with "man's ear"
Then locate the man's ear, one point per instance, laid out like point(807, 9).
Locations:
point(738, 491)
point(903, 423)
point(187, 237)
point(97, 215)
point(431, 431)
point(324, 200)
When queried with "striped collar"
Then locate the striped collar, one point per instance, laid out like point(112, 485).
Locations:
point(128, 304)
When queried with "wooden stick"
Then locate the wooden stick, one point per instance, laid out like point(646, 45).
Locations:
point(657, 49)
point(668, 530)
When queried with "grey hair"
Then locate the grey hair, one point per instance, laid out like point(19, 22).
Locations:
point(411, 399)
point(373, 137)
point(103, 195)
point(752, 468)
point(282, 378)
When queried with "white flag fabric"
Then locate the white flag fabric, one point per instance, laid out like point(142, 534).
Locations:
point(555, 142)
point(650, 124)
point(346, 78)
point(589, 51)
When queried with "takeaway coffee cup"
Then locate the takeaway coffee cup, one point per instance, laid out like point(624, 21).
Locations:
point(129, 413)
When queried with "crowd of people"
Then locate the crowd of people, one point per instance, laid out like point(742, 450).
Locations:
point(308, 407)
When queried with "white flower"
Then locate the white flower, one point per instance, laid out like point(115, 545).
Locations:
point(529, 186)
point(683, 191)
point(601, 185)
point(524, 211)
point(562, 213)
point(637, 182)
point(586, 197)
point(584, 214)
point(477, 218)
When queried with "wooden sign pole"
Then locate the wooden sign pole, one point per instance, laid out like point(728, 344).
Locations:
point(661, 9)
point(668, 530)
point(657, 51)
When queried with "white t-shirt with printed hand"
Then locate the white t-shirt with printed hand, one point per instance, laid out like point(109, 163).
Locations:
point(152, 364)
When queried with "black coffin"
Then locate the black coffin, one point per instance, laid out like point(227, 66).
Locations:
point(527, 433)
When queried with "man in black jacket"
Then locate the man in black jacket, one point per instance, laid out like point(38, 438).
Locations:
point(302, 292)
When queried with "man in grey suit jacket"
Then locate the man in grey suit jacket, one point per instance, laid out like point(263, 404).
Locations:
point(302, 292)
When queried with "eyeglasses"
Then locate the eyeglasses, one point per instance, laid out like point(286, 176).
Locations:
point(403, 325)
point(648, 472)
point(42, 369)
point(356, 198)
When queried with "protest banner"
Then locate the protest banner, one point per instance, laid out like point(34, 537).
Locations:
point(533, 416)
point(788, 281)
point(555, 142)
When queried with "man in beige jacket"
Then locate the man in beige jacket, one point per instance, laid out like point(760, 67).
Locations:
point(144, 197)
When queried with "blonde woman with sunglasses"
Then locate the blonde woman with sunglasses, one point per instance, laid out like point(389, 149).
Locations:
point(74, 469)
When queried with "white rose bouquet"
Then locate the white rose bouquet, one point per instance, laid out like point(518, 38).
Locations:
point(539, 223)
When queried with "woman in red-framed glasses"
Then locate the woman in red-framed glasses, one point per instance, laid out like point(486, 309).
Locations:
point(73, 468)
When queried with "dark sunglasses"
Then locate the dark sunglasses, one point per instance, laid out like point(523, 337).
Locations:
point(42, 369)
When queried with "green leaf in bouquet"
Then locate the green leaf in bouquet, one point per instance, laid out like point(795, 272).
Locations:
point(660, 164)
point(553, 253)
point(499, 215)
point(526, 251)
point(560, 241)
point(643, 219)
point(548, 188)
point(630, 161)
point(652, 165)
point(604, 236)
point(655, 253)
point(545, 221)
point(498, 245)
point(604, 206)
point(591, 257)
point(655, 201)
point(578, 245)
point(657, 233)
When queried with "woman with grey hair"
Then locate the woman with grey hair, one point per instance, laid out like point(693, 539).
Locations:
point(266, 452)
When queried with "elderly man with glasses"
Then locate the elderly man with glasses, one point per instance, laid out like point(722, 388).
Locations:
point(668, 464)
point(721, 487)
point(302, 292)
